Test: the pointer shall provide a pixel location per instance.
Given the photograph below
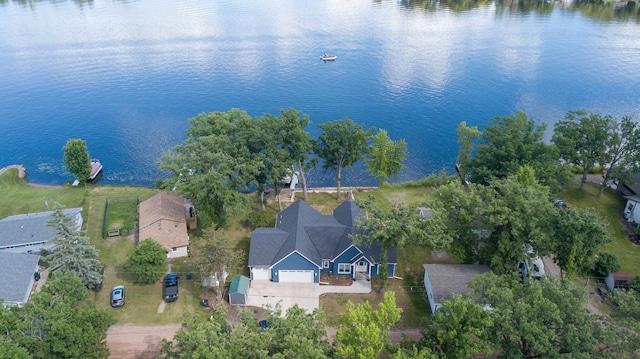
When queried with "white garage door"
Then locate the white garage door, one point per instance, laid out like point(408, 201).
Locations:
point(298, 276)
point(260, 273)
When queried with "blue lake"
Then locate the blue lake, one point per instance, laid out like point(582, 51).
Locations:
point(126, 75)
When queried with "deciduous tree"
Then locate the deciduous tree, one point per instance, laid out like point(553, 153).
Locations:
point(582, 138)
point(539, 320)
point(77, 159)
point(213, 253)
point(466, 138)
point(457, 329)
point(73, 253)
point(298, 142)
point(341, 144)
point(215, 162)
point(364, 332)
point(147, 261)
point(511, 142)
point(578, 236)
point(622, 154)
point(386, 157)
point(395, 227)
point(58, 322)
point(294, 334)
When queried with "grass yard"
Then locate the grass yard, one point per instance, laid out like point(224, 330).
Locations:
point(409, 293)
point(143, 300)
point(119, 215)
point(18, 197)
point(609, 208)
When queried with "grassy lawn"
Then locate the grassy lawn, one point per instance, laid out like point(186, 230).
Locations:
point(609, 208)
point(18, 197)
point(143, 300)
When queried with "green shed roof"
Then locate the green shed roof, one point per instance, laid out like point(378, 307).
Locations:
point(239, 284)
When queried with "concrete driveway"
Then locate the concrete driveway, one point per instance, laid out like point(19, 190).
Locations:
point(305, 295)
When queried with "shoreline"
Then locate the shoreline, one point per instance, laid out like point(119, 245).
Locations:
point(22, 174)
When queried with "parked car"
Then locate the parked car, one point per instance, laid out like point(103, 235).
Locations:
point(117, 296)
point(170, 292)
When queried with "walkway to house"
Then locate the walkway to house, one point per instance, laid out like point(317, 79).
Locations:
point(305, 295)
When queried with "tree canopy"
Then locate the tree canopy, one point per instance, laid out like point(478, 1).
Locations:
point(386, 157)
point(294, 334)
point(77, 159)
point(622, 154)
point(56, 323)
point(581, 139)
point(73, 253)
point(341, 144)
point(364, 332)
point(147, 261)
point(511, 142)
point(395, 227)
point(228, 153)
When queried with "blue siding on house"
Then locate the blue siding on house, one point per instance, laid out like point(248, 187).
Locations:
point(295, 262)
point(327, 270)
point(344, 258)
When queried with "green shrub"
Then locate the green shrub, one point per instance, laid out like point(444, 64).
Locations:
point(605, 264)
point(260, 219)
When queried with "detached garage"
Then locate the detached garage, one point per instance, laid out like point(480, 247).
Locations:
point(238, 290)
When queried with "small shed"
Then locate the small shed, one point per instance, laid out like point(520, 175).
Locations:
point(239, 290)
point(617, 280)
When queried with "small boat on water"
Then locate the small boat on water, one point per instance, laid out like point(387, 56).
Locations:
point(328, 57)
point(96, 169)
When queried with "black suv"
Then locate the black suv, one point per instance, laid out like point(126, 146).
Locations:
point(170, 292)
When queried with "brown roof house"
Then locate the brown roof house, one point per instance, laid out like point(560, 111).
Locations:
point(163, 218)
point(442, 280)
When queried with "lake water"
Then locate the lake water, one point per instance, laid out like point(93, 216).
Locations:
point(126, 75)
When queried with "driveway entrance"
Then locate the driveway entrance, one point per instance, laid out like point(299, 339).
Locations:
point(305, 295)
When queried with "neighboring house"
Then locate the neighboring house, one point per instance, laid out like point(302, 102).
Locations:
point(442, 280)
point(238, 290)
point(163, 218)
point(29, 233)
point(17, 277)
point(306, 243)
point(632, 193)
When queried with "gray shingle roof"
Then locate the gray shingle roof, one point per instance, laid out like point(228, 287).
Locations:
point(16, 276)
point(452, 278)
point(314, 235)
point(28, 228)
point(265, 244)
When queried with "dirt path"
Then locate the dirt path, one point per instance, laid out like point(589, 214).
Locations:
point(138, 342)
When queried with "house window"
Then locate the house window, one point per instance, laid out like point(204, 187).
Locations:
point(630, 206)
point(174, 249)
point(325, 264)
point(344, 268)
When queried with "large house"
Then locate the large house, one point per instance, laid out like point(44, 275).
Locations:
point(632, 193)
point(443, 280)
point(163, 218)
point(306, 243)
point(17, 277)
point(29, 233)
